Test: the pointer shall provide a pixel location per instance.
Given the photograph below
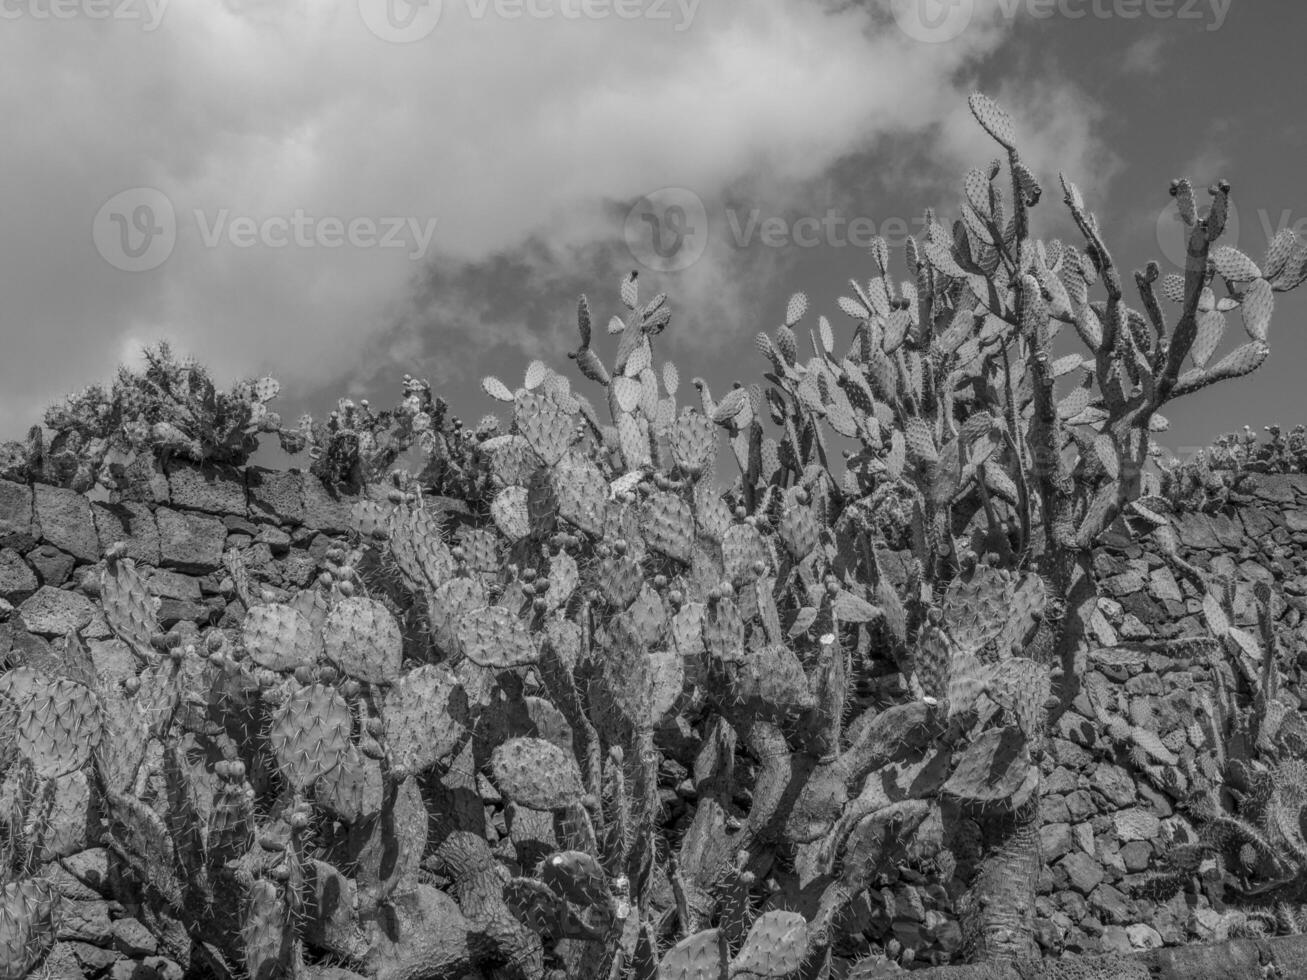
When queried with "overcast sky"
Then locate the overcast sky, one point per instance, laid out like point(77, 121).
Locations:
point(337, 192)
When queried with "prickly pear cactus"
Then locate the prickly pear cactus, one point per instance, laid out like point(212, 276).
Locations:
point(568, 702)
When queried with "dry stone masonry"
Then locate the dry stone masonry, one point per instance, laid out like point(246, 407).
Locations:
point(1106, 821)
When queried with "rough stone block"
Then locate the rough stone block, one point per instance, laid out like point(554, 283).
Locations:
point(275, 495)
point(1271, 487)
point(18, 528)
point(66, 521)
point(213, 489)
point(132, 523)
point(51, 564)
point(325, 508)
point(17, 581)
point(173, 585)
point(55, 612)
point(1082, 871)
point(190, 542)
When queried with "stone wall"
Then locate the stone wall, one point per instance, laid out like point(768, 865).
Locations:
point(1107, 812)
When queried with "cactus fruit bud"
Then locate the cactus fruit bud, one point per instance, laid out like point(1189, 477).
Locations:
point(131, 684)
point(325, 580)
point(345, 588)
point(620, 547)
point(298, 821)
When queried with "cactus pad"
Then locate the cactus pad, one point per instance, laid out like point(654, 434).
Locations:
point(310, 733)
point(362, 638)
point(775, 948)
point(57, 726)
point(669, 526)
point(536, 774)
point(280, 638)
point(29, 910)
point(544, 425)
point(994, 769)
point(426, 714)
point(494, 637)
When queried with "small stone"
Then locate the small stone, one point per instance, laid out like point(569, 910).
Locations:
point(1082, 871)
point(1111, 905)
point(173, 585)
point(1137, 856)
point(1055, 840)
point(1116, 940)
point(1164, 585)
point(86, 922)
point(1144, 936)
point(133, 939)
point(1114, 783)
point(17, 581)
point(277, 540)
point(56, 612)
point(1135, 824)
point(51, 564)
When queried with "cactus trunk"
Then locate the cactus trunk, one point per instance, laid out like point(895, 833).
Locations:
point(998, 921)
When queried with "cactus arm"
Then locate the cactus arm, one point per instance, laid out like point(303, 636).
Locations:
point(1203, 233)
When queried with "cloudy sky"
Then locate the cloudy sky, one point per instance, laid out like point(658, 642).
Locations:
point(337, 192)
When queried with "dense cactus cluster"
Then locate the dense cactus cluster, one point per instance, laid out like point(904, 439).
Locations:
point(170, 408)
point(567, 706)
